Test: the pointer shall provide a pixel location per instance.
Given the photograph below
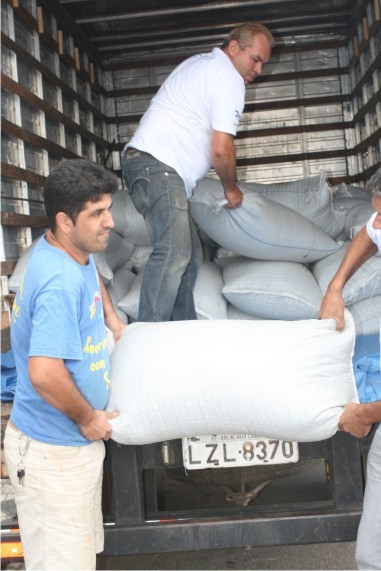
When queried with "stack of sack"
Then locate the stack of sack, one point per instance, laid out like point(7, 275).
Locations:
point(270, 259)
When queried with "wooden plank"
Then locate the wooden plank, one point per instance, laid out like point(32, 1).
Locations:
point(373, 139)
point(77, 59)
point(23, 220)
point(374, 67)
point(40, 20)
point(371, 104)
point(65, 22)
point(60, 42)
point(7, 267)
point(291, 157)
point(32, 138)
point(17, 173)
point(35, 64)
point(28, 96)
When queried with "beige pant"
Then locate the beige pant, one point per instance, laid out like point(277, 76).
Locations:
point(59, 502)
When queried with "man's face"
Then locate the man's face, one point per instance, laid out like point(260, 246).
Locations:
point(249, 61)
point(91, 230)
point(377, 206)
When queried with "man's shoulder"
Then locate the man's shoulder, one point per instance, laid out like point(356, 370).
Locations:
point(374, 233)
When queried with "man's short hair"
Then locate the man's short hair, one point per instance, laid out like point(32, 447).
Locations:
point(71, 184)
point(244, 34)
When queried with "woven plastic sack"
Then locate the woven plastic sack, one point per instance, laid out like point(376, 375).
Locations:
point(365, 282)
point(286, 380)
point(271, 290)
point(129, 223)
point(261, 228)
point(310, 196)
point(208, 299)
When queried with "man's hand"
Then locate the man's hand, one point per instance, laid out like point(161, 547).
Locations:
point(98, 425)
point(234, 198)
point(332, 307)
point(354, 421)
point(116, 325)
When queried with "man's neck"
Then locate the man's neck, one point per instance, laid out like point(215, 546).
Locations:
point(61, 244)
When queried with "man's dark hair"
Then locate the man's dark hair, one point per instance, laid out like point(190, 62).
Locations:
point(71, 184)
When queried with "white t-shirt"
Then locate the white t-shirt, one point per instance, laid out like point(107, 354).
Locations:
point(374, 233)
point(204, 93)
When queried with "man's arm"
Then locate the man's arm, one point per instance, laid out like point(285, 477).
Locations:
point(358, 252)
point(357, 419)
point(51, 379)
point(224, 163)
point(113, 322)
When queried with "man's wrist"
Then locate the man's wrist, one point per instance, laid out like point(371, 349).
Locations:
point(85, 417)
point(371, 412)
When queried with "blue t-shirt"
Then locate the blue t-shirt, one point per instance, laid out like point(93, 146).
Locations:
point(58, 313)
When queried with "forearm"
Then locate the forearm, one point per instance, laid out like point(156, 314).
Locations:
point(54, 384)
point(358, 252)
point(224, 159)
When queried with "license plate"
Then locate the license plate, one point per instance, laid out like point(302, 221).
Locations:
point(232, 450)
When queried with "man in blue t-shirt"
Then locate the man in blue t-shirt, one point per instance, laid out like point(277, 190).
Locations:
point(54, 440)
point(357, 419)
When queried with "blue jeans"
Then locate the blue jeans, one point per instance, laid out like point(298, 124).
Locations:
point(158, 193)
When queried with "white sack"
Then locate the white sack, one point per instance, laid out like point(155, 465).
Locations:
point(357, 216)
point(119, 286)
point(310, 196)
point(103, 266)
point(118, 251)
point(208, 299)
point(130, 302)
point(347, 203)
point(365, 282)
point(139, 258)
point(129, 223)
point(271, 290)
point(285, 380)
point(260, 229)
point(234, 313)
point(347, 190)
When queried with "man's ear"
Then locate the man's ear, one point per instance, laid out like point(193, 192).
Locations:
point(64, 222)
point(233, 48)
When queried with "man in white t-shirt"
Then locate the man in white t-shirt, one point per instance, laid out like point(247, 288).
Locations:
point(188, 128)
point(357, 419)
